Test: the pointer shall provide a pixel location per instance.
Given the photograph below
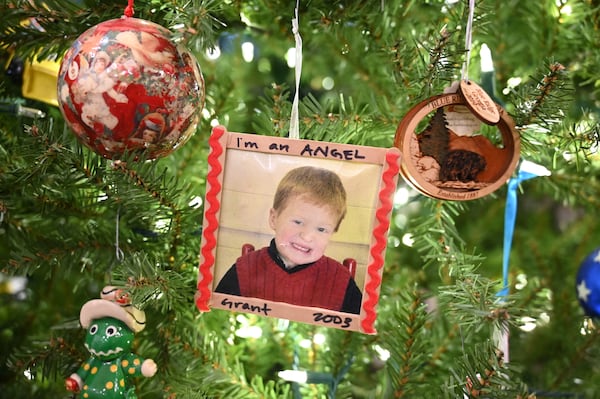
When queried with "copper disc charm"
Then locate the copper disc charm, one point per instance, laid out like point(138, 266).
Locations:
point(479, 102)
point(444, 165)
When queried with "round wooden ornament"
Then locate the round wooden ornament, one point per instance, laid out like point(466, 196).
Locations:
point(444, 165)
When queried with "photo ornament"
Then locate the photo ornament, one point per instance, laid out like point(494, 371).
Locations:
point(296, 229)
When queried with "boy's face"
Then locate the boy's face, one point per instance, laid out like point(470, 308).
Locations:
point(302, 230)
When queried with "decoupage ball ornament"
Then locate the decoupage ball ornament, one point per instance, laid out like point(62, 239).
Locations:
point(125, 86)
point(588, 284)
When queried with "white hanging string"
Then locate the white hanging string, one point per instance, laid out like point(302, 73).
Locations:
point(468, 34)
point(294, 124)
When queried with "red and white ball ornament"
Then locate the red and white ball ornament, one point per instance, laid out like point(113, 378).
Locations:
point(125, 86)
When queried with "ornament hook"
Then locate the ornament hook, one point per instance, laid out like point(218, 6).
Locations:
point(118, 251)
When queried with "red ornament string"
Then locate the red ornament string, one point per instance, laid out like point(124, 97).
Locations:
point(129, 9)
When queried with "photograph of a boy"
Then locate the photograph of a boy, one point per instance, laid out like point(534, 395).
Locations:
point(308, 207)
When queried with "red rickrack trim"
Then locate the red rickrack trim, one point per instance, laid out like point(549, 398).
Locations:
point(389, 179)
point(211, 223)
point(129, 9)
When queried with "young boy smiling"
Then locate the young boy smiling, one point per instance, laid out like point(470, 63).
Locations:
point(307, 210)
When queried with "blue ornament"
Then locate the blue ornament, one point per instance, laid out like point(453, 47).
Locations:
point(588, 284)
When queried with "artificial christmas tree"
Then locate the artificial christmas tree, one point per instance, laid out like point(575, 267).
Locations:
point(72, 221)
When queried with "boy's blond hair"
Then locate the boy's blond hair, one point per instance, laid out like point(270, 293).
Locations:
point(319, 186)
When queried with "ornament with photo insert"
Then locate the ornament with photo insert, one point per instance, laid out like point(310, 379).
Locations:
point(125, 86)
point(448, 153)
